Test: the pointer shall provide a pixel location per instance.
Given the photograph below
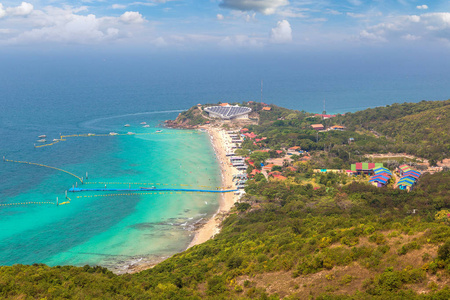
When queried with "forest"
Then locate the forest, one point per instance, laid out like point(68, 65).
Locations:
point(310, 236)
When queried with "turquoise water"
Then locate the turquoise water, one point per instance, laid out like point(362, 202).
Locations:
point(53, 94)
point(111, 230)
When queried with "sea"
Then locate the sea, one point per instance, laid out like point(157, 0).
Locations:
point(86, 97)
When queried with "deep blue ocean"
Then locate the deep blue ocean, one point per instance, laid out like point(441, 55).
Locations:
point(98, 94)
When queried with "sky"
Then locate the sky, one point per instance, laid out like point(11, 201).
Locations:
point(225, 25)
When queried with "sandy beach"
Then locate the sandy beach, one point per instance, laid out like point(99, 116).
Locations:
point(227, 200)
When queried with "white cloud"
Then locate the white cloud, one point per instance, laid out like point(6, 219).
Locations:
point(266, 7)
point(353, 15)
point(282, 33)
point(67, 26)
point(241, 41)
point(429, 27)
point(118, 6)
point(132, 17)
point(410, 37)
point(424, 6)
point(2, 11)
point(292, 13)
point(220, 17)
point(333, 12)
point(23, 9)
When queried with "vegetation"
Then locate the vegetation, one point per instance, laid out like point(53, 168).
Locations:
point(313, 235)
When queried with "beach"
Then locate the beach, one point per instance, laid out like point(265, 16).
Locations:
point(227, 200)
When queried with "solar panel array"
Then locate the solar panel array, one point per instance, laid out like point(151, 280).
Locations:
point(228, 112)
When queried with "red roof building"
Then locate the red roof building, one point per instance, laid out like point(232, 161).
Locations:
point(279, 177)
point(317, 127)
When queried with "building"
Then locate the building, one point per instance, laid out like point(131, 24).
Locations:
point(228, 112)
point(365, 168)
point(317, 127)
point(337, 127)
point(267, 108)
point(324, 116)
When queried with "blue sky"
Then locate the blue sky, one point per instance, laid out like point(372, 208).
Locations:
point(226, 25)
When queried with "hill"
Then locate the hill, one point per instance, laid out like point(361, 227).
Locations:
point(310, 235)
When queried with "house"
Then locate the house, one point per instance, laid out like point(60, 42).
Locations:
point(365, 168)
point(267, 108)
point(317, 126)
point(379, 180)
point(324, 116)
point(268, 167)
point(337, 127)
point(224, 104)
point(244, 130)
point(251, 135)
point(279, 177)
point(406, 183)
point(403, 168)
point(295, 148)
point(255, 171)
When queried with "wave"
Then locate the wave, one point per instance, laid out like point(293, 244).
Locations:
point(89, 124)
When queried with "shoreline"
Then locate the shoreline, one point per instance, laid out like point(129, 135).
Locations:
point(227, 200)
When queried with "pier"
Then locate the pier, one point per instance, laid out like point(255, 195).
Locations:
point(76, 189)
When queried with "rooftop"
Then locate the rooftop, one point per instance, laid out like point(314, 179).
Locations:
point(228, 112)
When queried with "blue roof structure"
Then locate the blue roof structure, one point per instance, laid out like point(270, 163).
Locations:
point(382, 170)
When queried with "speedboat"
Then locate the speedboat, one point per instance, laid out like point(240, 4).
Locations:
point(113, 133)
point(126, 125)
point(148, 188)
point(91, 134)
point(42, 141)
point(146, 126)
point(158, 130)
point(56, 140)
point(143, 123)
point(42, 136)
point(130, 133)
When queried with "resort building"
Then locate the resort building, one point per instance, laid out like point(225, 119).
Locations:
point(365, 168)
point(337, 127)
point(228, 112)
point(409, 178)
point(317, 127)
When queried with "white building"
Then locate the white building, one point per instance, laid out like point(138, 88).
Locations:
point(228, 112)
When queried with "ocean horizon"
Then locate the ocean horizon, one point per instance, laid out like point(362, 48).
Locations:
point(99, 96)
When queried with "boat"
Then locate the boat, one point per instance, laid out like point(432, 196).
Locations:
point(56, 140)
point(143, 123)
point(130, 133)
point(42, 141)
point(146, 126)
point(91, 134)
point(158, 130)
point(113, 133)
point(147, 188)
point(43, 136)
point(126, 125)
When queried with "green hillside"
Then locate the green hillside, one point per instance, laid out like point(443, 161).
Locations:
point(421, 129)
point(312, 235)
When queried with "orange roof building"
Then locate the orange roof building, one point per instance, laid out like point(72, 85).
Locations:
point(317, 126)
point(267, 108)
point(269, 167)
point(224, 104)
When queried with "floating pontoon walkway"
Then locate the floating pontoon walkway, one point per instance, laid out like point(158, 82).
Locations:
point(76, 189)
